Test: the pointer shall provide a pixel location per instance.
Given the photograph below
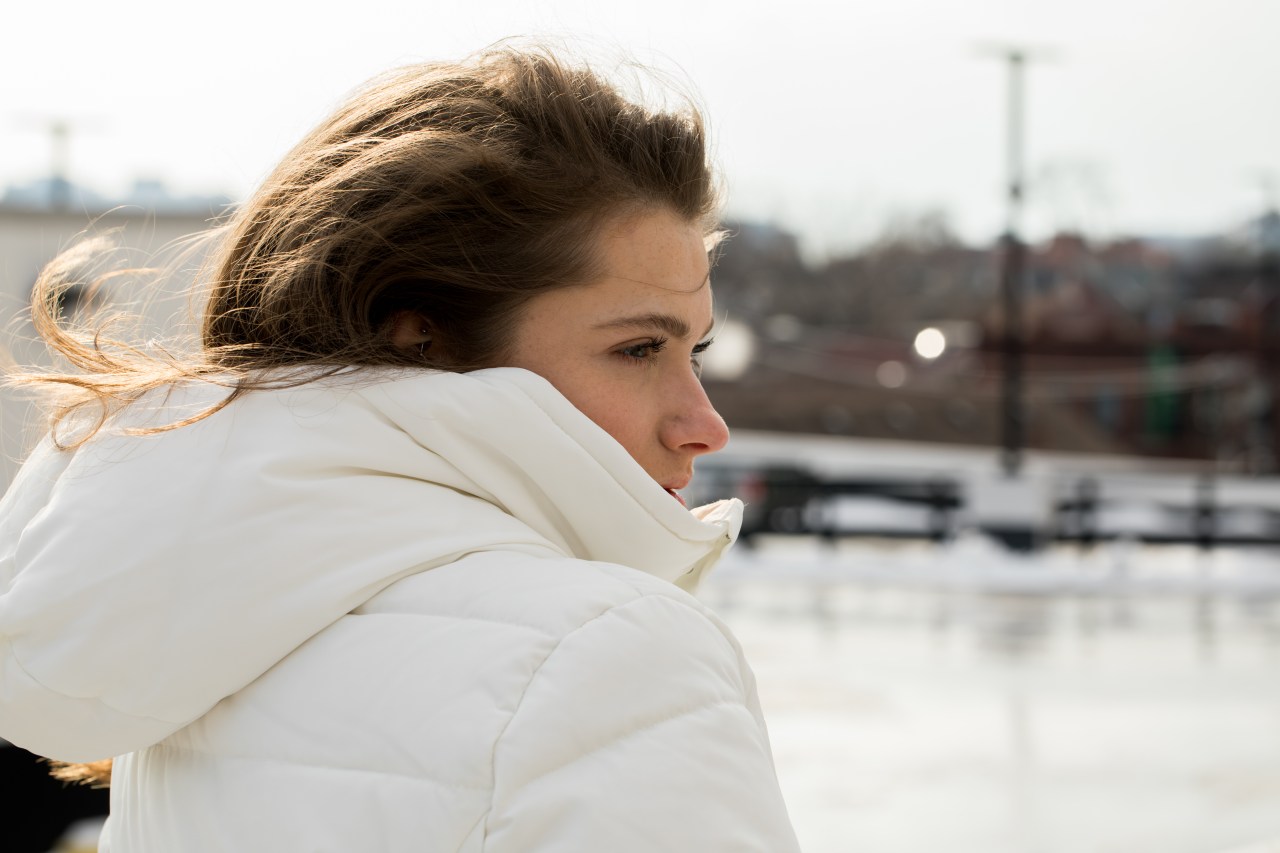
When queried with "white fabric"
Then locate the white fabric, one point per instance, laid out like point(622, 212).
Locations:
point(382, 611)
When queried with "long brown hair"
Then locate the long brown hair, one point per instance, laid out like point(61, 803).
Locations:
point(456, 191)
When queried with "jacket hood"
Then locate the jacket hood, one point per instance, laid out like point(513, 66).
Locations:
point(143, 578)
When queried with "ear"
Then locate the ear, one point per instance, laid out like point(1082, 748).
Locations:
point(410, 331)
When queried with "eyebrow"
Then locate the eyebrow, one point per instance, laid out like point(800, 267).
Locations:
point(669, 324)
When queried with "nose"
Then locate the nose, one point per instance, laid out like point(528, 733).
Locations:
point(692, 425)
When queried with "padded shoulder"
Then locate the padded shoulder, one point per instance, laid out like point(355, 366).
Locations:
point(637, 727)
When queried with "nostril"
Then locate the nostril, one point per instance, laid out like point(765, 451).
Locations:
point(715, 433)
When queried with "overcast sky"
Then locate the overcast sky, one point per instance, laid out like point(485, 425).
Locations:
point(832, 119)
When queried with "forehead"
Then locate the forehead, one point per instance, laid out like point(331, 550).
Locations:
point(650, 265)
point(657, 249)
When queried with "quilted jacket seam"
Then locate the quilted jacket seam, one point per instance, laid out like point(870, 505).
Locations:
point(63, 694)
point(649, 726)
point(413, 777)
point(640, 596)
point(533, 676)
point(457, 617)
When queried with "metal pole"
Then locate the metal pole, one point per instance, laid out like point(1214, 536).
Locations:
point(1013, 405)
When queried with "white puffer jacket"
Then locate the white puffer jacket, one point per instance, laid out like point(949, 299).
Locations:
point(381, 612)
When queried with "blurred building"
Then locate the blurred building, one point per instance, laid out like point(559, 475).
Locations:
point(42, 219)
point(1133, 346)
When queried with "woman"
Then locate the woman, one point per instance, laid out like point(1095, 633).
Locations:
point(398, 560)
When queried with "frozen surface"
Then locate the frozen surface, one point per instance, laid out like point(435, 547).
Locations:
point(950, 710)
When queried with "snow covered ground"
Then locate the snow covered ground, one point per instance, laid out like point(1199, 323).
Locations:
point(970, 700)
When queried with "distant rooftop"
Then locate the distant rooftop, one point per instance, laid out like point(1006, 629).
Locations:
point(57, 194)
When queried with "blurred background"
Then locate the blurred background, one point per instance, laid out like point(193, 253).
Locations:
point(999, 351)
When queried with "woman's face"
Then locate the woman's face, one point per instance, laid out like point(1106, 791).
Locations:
point(624, 348)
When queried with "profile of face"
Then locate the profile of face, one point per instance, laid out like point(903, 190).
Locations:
point(624, 348)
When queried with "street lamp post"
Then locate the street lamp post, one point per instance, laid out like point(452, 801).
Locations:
point(1013, 263)
point(1013, 409)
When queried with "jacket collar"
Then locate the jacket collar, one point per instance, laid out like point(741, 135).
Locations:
point(519, 444)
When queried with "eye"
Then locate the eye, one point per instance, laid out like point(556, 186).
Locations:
point(641, 352)
point(697, 355)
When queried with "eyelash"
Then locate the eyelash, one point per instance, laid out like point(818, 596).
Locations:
point(653, 346)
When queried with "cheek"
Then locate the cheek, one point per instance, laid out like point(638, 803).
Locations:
point(622, 416)
point(616, 398)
